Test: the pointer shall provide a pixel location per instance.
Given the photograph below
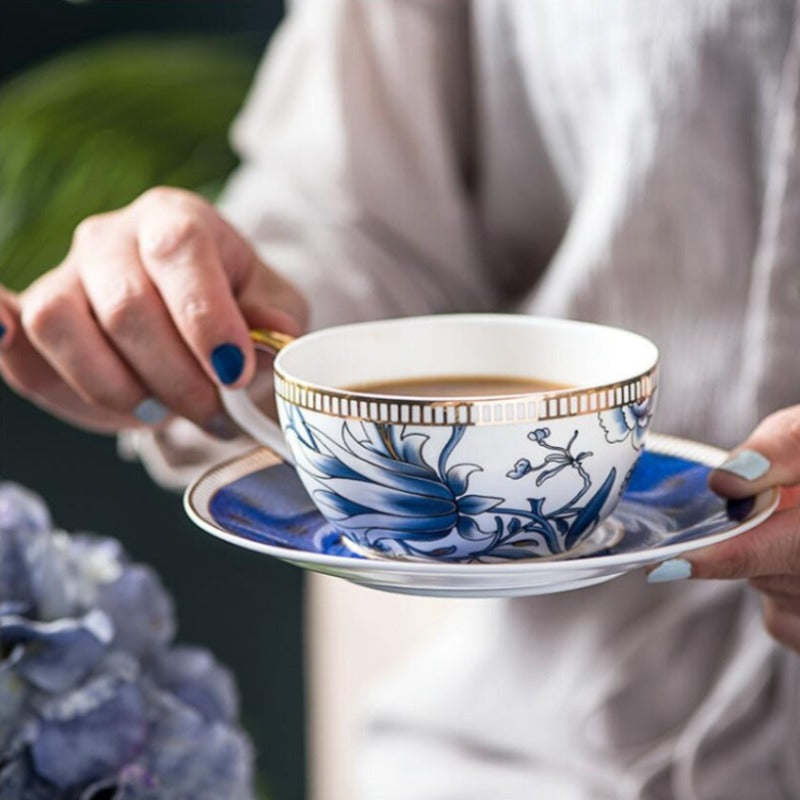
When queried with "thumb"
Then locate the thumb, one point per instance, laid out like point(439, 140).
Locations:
point(268, 300)
point(769, 457)
point(265, 298)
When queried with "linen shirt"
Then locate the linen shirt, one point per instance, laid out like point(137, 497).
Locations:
point(635, 164)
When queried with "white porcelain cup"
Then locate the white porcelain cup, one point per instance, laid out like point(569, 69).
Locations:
point(459, 478)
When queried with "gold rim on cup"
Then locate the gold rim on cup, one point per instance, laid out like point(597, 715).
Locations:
point(524, 408)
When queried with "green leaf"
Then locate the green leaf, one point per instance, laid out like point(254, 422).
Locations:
point(89, 130)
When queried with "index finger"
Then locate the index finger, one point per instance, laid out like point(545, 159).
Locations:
point(181, 258)
point(773, 548)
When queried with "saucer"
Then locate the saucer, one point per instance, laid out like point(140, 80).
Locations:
point(256, 501)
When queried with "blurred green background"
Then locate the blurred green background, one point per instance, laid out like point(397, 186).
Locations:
point(98, 101)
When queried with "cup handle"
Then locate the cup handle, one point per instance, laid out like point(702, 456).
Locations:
point(244, 412)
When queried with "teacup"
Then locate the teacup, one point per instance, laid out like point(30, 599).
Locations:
point(464, 478)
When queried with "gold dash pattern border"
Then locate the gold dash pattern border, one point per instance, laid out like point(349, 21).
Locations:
point(526, 409)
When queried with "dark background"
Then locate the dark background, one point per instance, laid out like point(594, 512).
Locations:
point(246, 609)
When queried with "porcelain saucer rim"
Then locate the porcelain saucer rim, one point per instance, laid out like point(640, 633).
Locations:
point(212, 479)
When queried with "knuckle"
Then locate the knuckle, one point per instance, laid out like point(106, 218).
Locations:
point(172, 234)
point(160, 196)
point(104, 395)
point(124, 315)
point(90, 230)
point(197, 312)
point(184, 228)
point(46, 315)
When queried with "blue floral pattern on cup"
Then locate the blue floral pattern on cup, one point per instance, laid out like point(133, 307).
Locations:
point(628, 422)
point(389, 489)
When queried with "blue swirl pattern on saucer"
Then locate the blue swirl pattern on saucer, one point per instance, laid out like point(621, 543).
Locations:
point(666, 502)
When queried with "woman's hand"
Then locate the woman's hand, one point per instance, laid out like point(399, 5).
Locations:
point(147, 315)
point(769, 555)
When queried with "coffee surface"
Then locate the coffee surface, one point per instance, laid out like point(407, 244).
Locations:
point(458, 386)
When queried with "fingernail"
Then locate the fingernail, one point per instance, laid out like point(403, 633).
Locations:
point(739, 509)
point(676, 569)
point(228, 362)
point(222, 427)
point(150, 411)
point(2, 331)
point(747, 464)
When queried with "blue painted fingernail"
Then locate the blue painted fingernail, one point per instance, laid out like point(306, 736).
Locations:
point(747, 464)
point(150, 411)
point(228, 362)
point(740, 508)
point(676, 569)
point(2, 331)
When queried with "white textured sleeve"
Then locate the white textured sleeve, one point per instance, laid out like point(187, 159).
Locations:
point(355, 177)
point(356, 142)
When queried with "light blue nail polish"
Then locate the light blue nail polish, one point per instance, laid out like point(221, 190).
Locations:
point(747, 464)
point(676, 569)
point(150, 411)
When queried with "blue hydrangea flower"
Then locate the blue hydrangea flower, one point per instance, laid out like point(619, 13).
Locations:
point(94, 699)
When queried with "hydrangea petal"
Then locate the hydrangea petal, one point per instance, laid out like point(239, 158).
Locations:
point(56, 655)
point(193, 759)
point(22, 511)
point(74, 749)
point(193, 676)
point(16, 589)
point(60, 587)
point(81, 710)
point(14, 696)
point(153, 623)
point(19, 781)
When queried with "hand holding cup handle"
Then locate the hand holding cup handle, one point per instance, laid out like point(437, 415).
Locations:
point(243, 410)
point(147, 316)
